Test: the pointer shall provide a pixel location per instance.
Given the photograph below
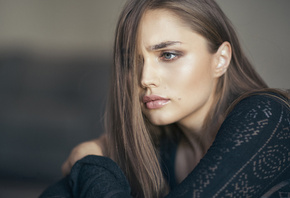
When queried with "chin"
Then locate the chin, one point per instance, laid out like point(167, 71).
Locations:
point(160, 121)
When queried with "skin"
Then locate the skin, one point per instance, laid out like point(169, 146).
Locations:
point(178, 66)
point(93, 147)
point(181, 72)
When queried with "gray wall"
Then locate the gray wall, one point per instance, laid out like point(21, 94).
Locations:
point(264, 29)
point(62, 27)
point(54, 68)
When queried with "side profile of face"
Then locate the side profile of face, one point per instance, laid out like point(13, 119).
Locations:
point(179, 74)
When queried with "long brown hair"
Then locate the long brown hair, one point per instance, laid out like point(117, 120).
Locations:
point(131, 142)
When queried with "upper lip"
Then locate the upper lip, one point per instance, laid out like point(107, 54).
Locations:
point(153, 98)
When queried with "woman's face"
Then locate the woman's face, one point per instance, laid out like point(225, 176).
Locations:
point(177, 72)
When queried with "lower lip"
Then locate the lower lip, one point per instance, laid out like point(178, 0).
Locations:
point(156, 104)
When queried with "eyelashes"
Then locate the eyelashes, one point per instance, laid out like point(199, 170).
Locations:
point(169, 56)
point(165, 56)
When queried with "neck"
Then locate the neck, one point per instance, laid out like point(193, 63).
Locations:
point(200, 140)
point(191, 150)
point(200, 137)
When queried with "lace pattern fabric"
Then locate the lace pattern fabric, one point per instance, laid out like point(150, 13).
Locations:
point(250, 155)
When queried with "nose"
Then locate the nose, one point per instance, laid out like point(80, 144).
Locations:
point(150, 77)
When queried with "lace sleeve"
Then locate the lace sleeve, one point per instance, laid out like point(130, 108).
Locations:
point(98, 176)
point(249, 156)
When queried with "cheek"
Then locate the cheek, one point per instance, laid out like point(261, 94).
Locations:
point(188, 77)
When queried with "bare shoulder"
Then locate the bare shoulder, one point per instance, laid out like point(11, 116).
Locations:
point(96, 146)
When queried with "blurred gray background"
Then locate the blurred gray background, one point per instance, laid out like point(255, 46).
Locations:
point(54, 67)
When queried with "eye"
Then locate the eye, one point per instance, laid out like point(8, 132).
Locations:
point(168, 56)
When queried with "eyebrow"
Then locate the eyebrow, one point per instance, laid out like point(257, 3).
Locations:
point(163, 45)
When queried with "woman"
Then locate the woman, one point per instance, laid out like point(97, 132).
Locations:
point(187, 115)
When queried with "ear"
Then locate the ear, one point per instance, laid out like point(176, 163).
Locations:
point(222, 59)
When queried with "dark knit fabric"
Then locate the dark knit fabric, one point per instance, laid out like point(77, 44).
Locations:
point(92, 176)
point(250, 157)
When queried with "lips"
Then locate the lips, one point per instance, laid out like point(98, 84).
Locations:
point(155, 102)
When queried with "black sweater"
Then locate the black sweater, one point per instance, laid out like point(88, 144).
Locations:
point(250, 157)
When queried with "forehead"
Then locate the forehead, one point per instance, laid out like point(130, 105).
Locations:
point(160, 26)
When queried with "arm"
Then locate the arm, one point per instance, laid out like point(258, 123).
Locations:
point(249, 155)
point(97, 176)
point(89, 174)
point(92, 147)
point(92, 176)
